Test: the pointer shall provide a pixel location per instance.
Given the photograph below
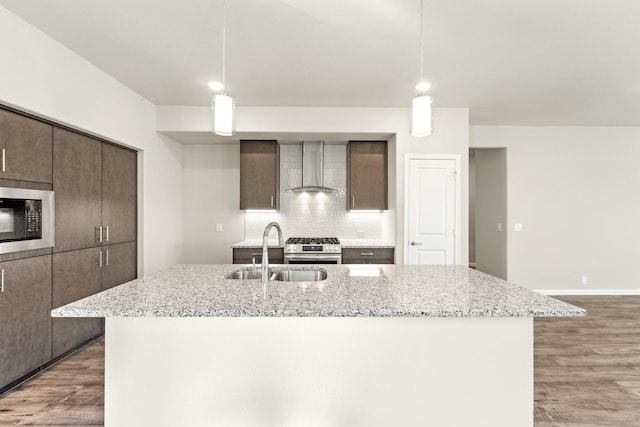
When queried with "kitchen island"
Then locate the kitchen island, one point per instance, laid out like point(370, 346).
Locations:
point(369, 346)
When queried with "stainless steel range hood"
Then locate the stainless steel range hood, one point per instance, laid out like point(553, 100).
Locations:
point(312, 168)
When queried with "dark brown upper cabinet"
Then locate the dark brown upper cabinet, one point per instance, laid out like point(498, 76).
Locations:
point(367, 175)
point(96, 192)
point(259, 174)
point(25, 148)
point(77, 182)
point(119, 194)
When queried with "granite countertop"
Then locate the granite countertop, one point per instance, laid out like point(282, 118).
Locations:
point(364, 243)
point(273, 243)
point(346, 243)
point(201, 290)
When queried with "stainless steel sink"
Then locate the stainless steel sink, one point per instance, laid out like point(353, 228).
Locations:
point(290, 275)
point(243, 274)
point(280, 274)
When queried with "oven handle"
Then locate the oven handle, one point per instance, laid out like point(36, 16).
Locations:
point(316, 257)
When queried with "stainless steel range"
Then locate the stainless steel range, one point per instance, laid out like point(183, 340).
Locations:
point(312, 250)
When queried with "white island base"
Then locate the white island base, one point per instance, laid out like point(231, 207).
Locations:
point(319, 371)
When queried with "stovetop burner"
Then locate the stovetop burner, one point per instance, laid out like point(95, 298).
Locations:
point(312, 241)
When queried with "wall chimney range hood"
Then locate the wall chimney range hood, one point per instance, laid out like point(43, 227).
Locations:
point(312, 168)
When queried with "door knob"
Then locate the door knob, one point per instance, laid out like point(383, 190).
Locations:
point(415, 243)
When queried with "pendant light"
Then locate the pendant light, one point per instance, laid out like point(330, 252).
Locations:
point(222, 104)
point(421, 115)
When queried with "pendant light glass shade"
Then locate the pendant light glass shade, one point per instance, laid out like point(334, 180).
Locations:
point(421, 119)
point(223, 115)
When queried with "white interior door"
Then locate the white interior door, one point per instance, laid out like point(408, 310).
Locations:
point(431, 205)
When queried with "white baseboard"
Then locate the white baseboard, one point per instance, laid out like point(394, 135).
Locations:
point(588, 291)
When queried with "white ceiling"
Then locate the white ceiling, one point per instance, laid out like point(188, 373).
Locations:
point(512, 62)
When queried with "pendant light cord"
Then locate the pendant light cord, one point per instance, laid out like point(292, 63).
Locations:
point(224, 43)
point(421, 41)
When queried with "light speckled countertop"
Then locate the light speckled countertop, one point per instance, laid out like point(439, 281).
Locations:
point(273, 243)
point(199, 290)
point(346, 243)
point(353, 243)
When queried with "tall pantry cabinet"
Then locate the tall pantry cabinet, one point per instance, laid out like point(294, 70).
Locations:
point(96, 196)
point(25, 278)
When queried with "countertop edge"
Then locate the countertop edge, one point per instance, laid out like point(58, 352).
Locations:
point(345, 244)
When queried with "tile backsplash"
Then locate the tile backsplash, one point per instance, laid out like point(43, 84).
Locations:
point(317, 214)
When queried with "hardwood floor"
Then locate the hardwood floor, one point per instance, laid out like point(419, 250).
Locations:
point(587, 374)
point(587, 370)
point(71, 393)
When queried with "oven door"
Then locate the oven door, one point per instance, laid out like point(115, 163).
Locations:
point(313, 258)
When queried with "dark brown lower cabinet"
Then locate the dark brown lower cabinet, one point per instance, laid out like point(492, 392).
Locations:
point(76, 274)
point(119, 264)
point(246, 255)
point(367, 255)
point(25, 322)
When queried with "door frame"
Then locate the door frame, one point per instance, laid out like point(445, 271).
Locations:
point(458, 199)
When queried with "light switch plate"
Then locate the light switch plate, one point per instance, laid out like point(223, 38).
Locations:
point(499, 226)
point(218, 227)
point(517, 227)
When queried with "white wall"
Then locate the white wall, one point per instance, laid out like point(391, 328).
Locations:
point(451, 136)
point(211, 196)
point(40, 76)
point(491, 210)
point(576, 192)
point(472, 207)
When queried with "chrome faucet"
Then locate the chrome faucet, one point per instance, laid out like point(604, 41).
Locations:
point(265, 252)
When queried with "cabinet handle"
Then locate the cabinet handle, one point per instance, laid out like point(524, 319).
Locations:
point(4, 161)
point(99, 230)
point(353, 201)
point(100, 263)
point(2, 278)
point(107, 235)
point(272, 200)
point(258, 254)
point(415, 244)
point(107, 258)
point(366, 253)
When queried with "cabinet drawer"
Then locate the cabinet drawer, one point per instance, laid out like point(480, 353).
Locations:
point(367, 255)
point(246, 255)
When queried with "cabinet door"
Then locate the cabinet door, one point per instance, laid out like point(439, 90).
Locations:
point(119, 264)
point(367, 255)
point(259, 175)
point(246, 255)
point(76, 274)
point(25, 317)
point(26, 148)
point(367, 175)
point(119, 194)
point(77, 184)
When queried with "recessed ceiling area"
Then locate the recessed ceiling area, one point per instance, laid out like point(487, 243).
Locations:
point(544, 62)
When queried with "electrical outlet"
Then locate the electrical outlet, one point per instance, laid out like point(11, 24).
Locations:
point(517, 227)
point(499, 226)
point(583, 280)
point(218, 227)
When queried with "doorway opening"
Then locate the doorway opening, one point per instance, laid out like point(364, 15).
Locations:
point(488, 210)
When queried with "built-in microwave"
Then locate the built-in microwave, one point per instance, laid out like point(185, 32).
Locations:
point(26, 219)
